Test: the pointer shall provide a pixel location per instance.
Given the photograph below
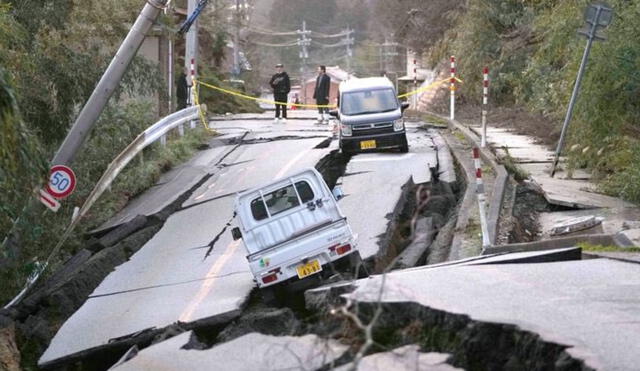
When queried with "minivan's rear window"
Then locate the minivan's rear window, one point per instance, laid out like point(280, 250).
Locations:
point(281, 200)
point(368, 101)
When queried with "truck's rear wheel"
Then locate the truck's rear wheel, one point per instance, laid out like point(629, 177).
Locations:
point(270, 296)
point(357, 265)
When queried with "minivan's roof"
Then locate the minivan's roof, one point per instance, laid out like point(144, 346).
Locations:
point(365, 83)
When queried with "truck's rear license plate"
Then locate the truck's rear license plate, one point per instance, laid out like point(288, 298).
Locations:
point(309, 268)
point(368, 144)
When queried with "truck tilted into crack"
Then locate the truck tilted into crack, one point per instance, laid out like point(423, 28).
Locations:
point(295, 235)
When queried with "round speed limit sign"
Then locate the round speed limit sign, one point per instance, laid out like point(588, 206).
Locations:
point(62, 181)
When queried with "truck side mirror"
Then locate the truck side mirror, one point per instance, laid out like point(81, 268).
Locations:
point(334, 113)
point(337, 193)
point(404, 105)
point(236, 234)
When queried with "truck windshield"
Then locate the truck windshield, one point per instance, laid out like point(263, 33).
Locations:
point(368, 101)
point(281, 200)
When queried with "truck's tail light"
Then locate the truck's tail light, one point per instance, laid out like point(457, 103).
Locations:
point(343, 249)
point(271, 276)
point(332, 250)
point(339, 249)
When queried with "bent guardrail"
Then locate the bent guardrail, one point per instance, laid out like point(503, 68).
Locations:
point(146, 138)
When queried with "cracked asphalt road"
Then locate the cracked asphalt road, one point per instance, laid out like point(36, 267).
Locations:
point(192, 270)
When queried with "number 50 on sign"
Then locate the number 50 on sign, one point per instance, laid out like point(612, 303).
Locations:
point(62, 181)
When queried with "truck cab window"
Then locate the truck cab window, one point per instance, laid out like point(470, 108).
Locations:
point(258, 209)
point(281, 200)
point(305, 192)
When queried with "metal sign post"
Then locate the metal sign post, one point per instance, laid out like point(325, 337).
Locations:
point(597, 16)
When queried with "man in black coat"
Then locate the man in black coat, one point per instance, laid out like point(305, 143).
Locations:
point(182, 91)
point(281, 86)
point(321, 94)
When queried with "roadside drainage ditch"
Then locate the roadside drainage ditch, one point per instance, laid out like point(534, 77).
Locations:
point(528, 205)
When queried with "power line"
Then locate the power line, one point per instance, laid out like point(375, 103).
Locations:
point(284, 45)
point(272, 33)
point(327, 36)
point(339, 43)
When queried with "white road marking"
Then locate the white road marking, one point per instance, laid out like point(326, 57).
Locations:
point(290, 164)
point(206, 287)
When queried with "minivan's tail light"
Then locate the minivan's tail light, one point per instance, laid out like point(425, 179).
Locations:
point(272, 276)
point(346, 130)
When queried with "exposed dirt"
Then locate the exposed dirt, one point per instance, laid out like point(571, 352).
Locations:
point(545, 129)
point(473, 345)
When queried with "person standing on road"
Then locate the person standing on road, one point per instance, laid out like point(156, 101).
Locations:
point(182, 91)
point(321, 94)
point(281, 86)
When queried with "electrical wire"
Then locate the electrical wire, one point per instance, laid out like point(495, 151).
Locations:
point(340, 43)
point(285, 45)
point(272, 33)
point(320, 35)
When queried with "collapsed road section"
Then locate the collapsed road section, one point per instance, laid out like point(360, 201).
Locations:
point(172, 278)
point(402, 210)
point(171, 285)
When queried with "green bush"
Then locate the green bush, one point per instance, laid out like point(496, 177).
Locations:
point(219, 102)
point(38, 229)
point(533, 51)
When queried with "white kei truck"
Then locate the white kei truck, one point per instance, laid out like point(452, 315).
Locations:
point(294, 233)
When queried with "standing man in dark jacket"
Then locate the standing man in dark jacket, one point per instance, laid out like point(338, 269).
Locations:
point(281, 86)
point(321, 94)
point(182, 91)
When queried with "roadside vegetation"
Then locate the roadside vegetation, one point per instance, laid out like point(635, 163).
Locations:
point(602, 248)
point(533, 52)
point(51, 57)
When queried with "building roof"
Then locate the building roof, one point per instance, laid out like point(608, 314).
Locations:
point(365, 83)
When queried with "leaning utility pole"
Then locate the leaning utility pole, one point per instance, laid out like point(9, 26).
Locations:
point(191, 50)
point(597, 16)
point(108, 83)
point(303, 42)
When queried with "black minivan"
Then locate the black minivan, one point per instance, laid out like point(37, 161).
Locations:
point(370, 116)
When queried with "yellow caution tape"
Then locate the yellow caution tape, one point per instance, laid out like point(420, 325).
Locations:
point(428, 87)
point(196, 100)
point(268, 101)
